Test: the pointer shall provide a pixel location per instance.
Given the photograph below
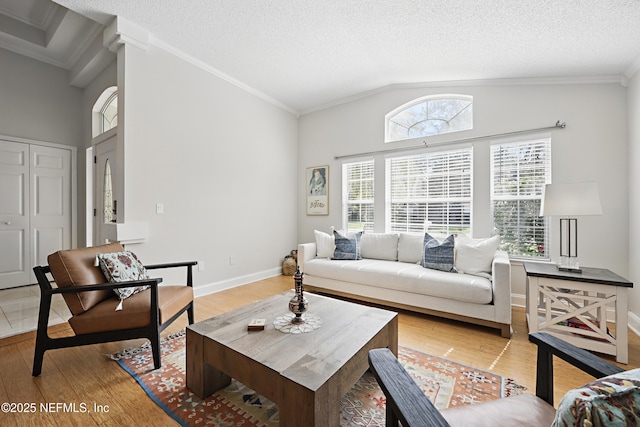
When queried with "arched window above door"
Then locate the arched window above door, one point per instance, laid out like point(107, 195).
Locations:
point(429, 115)
point(109, 113)
point(105, 111)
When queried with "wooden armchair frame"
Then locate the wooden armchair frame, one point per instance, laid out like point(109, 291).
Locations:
point(152, 332)
point(408, 404)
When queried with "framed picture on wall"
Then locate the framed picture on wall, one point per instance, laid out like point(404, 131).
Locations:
point(318, 190)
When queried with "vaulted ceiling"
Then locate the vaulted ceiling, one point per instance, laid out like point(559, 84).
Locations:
point(306, 54)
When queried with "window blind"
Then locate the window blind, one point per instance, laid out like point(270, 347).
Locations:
point(430, 192)
point(358, 195)
point(519, 171)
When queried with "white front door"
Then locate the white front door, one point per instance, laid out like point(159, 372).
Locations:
point(15, 265)
point(35, 208)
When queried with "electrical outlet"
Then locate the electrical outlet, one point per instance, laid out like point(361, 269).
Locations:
point(159, 208)
point(200, 265)
point(232, 260)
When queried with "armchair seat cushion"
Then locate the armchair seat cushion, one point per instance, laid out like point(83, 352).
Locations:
point(135, 313)
point(521, 410)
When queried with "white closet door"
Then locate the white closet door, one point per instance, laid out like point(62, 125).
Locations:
point(35, 208)
point(51, 202)
point(15, 263)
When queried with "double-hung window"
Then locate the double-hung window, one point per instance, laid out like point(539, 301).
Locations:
point(519, 171)
point(358, 196)
point(430, 192)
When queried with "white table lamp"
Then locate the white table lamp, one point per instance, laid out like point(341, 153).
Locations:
point(569, 201)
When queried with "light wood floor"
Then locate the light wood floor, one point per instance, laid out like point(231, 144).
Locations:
point(83, 375)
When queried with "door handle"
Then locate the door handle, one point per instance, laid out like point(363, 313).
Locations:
point(8, 222)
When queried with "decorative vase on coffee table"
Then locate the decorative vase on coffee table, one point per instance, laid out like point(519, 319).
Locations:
point(298, 304)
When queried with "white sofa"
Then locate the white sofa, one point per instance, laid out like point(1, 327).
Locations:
point(390, 274)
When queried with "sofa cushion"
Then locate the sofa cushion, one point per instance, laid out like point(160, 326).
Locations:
point(605, 401)
point(400, 276)
point(347, 248)
point(410, 247)
point(439, 256)
point(325, 245)
point(75, 267)
point(379, 246)
point(475, 255)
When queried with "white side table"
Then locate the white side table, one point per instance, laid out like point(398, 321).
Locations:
point(573, 306)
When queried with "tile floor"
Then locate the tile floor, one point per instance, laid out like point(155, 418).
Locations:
point(19, 310)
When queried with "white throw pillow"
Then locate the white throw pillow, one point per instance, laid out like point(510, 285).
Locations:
point(410, 247)
point(379, 246)
point(325, 244)
point(475, 255)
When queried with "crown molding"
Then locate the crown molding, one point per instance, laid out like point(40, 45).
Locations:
point(120, 32)
point(196, 62)
point(633, 68)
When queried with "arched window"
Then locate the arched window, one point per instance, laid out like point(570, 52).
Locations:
point(105, 111)
point(430, 115)
point(109, 113)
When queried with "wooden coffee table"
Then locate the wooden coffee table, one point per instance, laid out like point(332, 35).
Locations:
point(305, 374)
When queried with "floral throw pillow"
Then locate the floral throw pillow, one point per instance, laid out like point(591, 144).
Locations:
point(123, 267)
point(608, 401)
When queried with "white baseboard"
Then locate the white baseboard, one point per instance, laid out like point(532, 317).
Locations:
point(519, 300)
point(211, 288)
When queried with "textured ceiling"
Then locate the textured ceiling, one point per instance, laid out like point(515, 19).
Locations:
point(310, 53)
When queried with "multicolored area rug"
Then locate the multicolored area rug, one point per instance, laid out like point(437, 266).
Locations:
point(446, 384)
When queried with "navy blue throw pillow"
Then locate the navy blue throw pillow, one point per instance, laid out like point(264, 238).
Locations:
point(347, 248)
point(436, 255)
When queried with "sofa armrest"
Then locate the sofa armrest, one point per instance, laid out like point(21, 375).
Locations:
point(306, 252)
point(501, 276)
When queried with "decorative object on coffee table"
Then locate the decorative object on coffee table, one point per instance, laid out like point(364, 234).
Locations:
point(298, 304)
point(294, 323)
point(285, 324)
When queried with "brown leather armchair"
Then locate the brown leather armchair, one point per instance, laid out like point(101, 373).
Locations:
point(93, 303)
point(408, 404)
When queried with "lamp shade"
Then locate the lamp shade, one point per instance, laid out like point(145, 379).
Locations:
point(571, 200)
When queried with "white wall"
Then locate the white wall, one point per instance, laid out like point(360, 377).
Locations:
point(634, 198)
point(221, 160)
point(593, 147)
point(37, 101)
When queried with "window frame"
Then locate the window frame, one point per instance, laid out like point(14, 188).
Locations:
point(426, 100)
point(531, 141)
point(347, 201)
point(463, 197)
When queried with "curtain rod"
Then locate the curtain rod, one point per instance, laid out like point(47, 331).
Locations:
point(558, 125)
